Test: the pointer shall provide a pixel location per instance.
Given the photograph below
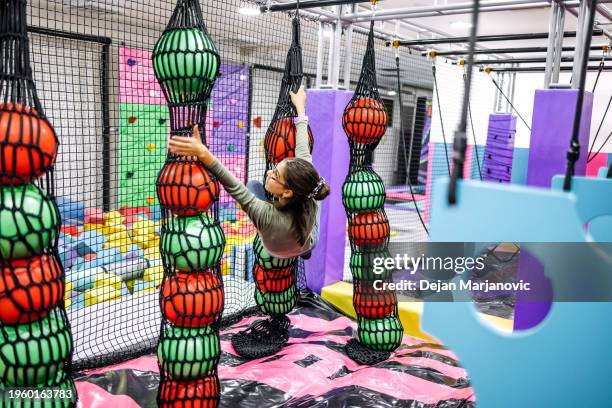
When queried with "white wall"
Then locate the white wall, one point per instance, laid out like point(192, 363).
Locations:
point(527, 83)
point(450, 90)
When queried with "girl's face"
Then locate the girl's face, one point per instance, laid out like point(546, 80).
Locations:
point(275, 182)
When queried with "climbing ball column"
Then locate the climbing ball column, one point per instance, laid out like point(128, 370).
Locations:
point(35, 337)
point(379, 330)
point(186, 63)
point(276, 292)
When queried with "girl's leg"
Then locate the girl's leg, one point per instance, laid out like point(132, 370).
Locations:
point(257, 188)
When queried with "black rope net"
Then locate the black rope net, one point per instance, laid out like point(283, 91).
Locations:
point(365, 119)
point(35, 336)
point(186, 64)
point(276, 292)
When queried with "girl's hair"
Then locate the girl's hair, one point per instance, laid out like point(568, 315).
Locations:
point(303, 179)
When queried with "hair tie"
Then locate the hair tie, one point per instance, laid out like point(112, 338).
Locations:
point(317, 189)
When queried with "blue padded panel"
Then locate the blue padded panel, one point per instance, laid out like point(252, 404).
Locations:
point(490, 212)
point(593, 202)
point(564, 362)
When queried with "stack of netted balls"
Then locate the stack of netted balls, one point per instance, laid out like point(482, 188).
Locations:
point(186, 63)
point(35, 338)
point(363, 195)
point(275, 278)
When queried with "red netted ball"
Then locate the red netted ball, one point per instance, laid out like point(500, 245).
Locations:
point(198, 393)
point(28, 144)
point(368, 229)
point(186, 188)
point(365, 120)
point(269, 281)
point(29, 288)
point(192, 299)
point(373, 304)
point(279, 142)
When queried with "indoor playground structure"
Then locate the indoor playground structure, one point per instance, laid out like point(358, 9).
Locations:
point(461, 129)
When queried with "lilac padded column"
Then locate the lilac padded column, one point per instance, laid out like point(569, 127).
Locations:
point(551, 131)
point(499, 150)
point(331, 157)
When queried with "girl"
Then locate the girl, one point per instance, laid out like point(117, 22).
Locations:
point(288, 226)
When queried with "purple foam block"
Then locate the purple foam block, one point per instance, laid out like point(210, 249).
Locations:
point(499, 149)
point(551, 131)
point(331, 156)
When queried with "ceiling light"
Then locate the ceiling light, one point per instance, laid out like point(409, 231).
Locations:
point(460, 24)
point(249, 11)
point(392, 93)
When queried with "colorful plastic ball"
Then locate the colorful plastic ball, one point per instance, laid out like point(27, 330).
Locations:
point(198, 393)
point(186, 188)
point(373, 304)
point(34, 353)
point(380, 334)
point(274, 303)
point(266, 283)
point(189, 353)
point(28, 144)
point(363, 190)
point(192, 243)
point(279, 142)
point(29, 288)
point(266, 260)
point(29, 220)
point(369, 229)
point(186, 62)
point(192, 299)
point(365, 120)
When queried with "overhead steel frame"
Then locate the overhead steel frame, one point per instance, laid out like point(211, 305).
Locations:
point(352, 19)
point(555, 44)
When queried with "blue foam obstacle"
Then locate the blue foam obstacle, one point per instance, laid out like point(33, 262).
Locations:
point(529, 368)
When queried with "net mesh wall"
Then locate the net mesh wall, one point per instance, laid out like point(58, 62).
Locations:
point(92, 65)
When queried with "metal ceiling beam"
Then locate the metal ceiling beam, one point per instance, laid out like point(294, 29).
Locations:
point(458, 8)
point(542, 69)
point(516, 50)
point(526, 60)
point(488, 38)
point(304, 5)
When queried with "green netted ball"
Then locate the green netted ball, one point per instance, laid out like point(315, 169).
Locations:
point(266, 260)
point(192, 243)
point(363, 190)
point(381, 334)
point(189, 353)
point(29, 221)
point(186, 60)
point(273, 303)
point(34, 353)
point(362, 265)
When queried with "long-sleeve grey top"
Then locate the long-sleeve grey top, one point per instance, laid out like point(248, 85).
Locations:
point(275, 227)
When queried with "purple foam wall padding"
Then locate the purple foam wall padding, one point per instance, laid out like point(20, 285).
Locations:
point(230, 111)
point(499, 150)
point(551, 131)
point(331, 157)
